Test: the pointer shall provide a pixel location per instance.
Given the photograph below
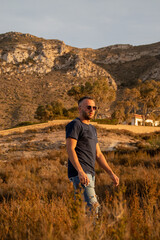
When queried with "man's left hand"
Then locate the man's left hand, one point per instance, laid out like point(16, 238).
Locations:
point(115, 179)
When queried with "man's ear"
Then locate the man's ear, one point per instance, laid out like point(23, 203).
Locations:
point(79, 107)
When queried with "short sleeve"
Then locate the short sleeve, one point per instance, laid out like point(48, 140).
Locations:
point(73, 130)
point(96, 134)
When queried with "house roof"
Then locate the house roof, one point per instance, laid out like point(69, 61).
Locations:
point(137, 116)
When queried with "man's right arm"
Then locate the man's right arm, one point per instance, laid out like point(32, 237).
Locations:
point(71, 145)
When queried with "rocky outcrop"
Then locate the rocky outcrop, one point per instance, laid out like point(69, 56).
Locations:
point(126, 53)
point(27, 54)
point(42, 57)
point(129, 63)
point(152, 73)
point(33, 57)
point(79, 66)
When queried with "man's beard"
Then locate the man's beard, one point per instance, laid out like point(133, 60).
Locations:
point(86, 116)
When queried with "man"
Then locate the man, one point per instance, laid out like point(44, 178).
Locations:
point(83, 150)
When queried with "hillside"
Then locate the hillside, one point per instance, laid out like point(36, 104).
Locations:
point(37, 71)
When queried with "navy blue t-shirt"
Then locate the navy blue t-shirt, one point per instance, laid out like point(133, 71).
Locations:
point(86, 137)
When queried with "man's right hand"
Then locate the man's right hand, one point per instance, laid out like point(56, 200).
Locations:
point(83, 178)
point(71, 145)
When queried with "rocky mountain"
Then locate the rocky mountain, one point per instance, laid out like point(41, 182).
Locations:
point(37, 71)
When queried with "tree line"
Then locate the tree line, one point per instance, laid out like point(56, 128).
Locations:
point(100, 90)
point(143, 99)
point(54, 110)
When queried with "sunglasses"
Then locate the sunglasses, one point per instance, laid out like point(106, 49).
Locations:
point(94, 107)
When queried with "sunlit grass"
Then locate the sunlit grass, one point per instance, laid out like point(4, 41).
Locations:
point(37, 200)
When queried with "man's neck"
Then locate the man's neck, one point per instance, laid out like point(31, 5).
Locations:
point(84, 120)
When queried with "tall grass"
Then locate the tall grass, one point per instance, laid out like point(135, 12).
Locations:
point(37, 200)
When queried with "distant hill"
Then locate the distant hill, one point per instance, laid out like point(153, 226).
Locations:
point(37, 71)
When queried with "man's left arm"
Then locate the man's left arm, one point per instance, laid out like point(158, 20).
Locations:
point(103, 163)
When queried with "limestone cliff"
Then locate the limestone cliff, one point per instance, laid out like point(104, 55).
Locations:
point(42, 56)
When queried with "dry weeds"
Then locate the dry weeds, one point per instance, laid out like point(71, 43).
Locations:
point(37, 202)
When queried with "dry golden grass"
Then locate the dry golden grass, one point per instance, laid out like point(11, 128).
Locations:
point(36, 127)
point(37, 201)
point(134, 129)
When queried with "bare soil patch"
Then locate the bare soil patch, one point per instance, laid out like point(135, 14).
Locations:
point(42, 139)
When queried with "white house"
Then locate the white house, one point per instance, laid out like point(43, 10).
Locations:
point(156, 123)
point(149, 122)
point(137, 120)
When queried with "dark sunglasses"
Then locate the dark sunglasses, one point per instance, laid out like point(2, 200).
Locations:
point(94, 107)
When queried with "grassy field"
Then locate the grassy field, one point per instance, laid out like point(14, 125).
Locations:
point(37, 201)
point(135, 129)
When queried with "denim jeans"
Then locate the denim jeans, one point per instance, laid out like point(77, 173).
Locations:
point(89, 191)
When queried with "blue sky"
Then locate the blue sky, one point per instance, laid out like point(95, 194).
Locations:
point(84, 23)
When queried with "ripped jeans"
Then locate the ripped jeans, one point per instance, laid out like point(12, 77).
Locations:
point(89, 192)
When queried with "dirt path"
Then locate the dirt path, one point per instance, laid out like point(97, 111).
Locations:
point(31, 127)
point(135, 129)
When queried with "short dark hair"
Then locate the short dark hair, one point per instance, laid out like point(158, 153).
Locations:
point(83, 98)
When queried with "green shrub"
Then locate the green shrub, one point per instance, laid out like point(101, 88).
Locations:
point(106, 121)
point(25, 124)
